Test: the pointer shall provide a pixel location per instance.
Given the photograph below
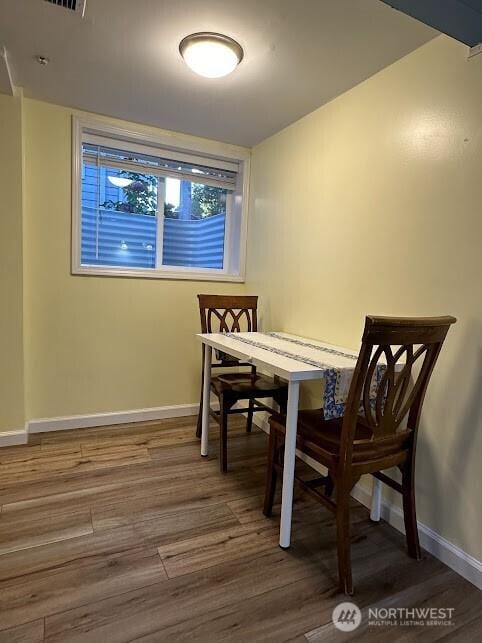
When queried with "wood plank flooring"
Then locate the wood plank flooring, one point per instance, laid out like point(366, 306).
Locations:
point(125, 533)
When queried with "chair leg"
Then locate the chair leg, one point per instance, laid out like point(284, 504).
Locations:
point(223, 435)
point(329, 485)
point(343, 538)
point(249, 421)
point(282, 400)
point(409, 511)
point(271, 474)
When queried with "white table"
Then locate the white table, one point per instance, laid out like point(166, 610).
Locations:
point(270, 352)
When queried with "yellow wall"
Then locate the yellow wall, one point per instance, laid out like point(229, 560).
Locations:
point(11, 340)
point(95, 344)
point(373, 204)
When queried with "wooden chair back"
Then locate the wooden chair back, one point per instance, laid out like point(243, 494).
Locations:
point(394, 367)
point(228, 313)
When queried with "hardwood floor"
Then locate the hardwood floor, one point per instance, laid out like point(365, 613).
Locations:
point(124, 533)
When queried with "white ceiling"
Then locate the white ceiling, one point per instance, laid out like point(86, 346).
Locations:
point(122, 59)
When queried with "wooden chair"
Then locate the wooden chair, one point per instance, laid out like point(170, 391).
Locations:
point(229, 313)
point(393, 370)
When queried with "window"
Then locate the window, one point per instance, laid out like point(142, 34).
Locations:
point(144, 208)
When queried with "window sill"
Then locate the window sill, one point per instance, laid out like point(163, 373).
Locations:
point(140, 273)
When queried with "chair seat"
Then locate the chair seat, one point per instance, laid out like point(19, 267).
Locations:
point(245, 385)
point(321, 439)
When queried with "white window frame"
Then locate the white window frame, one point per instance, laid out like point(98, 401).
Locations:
point(179, 144)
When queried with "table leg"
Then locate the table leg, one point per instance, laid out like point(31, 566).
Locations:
point(206, 400)
point(289, 464)
point(376, 500)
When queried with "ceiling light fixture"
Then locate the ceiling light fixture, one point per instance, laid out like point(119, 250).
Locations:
point(211, 54)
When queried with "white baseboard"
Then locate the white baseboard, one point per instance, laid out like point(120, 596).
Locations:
point(12, 438)
point(42, 425)
point(453, 556)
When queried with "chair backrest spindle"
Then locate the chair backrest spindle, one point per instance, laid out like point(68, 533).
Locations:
point(393, 370)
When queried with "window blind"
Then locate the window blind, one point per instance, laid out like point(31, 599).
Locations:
point(165, 163)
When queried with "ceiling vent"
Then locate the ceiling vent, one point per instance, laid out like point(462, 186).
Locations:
point(78, 6)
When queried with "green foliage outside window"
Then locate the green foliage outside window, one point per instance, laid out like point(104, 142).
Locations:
point(140, 197)
point(207, 201)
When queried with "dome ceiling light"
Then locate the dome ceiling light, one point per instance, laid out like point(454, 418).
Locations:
point(211, 54)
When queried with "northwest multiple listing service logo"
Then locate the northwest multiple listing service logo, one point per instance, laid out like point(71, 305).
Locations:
point(347, 616)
